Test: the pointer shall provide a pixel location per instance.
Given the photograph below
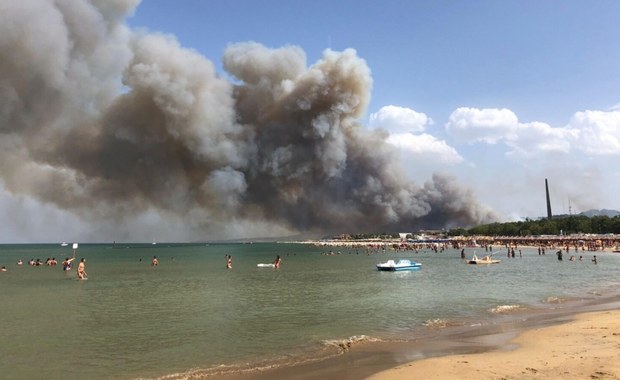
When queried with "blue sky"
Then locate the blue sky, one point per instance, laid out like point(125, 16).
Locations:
point(536, 84)
point(543, 60)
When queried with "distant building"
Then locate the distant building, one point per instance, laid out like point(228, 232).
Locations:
point(430, 234)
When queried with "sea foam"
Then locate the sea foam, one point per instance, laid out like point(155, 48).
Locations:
point(439, 323)
point(345, 344)
point(504, 309)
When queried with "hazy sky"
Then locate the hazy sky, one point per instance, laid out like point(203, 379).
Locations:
point(498, 94)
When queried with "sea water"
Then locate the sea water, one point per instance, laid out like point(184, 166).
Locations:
point(132, 320)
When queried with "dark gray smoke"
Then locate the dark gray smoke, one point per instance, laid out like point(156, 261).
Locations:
point(118, 127)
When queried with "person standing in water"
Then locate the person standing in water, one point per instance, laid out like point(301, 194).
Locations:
point(228, 262)
point(155, 262)
point(66, 265)
point(278, 262)
point(81, 270)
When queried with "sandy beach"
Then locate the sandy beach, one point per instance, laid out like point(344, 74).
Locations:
point(586, 348)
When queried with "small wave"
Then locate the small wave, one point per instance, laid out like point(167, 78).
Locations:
point(345, 344)
point(504, 309)
point(234, 369)
point(554, 300)
point(440, 323)
point(341, 345)
point(222, 370)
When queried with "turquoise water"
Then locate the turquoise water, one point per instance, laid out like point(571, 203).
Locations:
point(132, 320)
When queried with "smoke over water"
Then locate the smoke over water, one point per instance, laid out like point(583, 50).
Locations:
point(127, 130)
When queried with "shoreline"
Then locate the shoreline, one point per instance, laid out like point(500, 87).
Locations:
point(584, 347)
point(453, 345)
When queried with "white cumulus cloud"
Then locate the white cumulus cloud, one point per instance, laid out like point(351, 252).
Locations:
point(599, 132)
point(530, 139)
point(422, 153)
point(399, 120)
point(591, 132)
point(425, 147)
point(488, 125)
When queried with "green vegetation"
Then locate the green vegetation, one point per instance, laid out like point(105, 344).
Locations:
point(564, 224)
point(573, 224)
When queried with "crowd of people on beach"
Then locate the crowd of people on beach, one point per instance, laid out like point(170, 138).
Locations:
point(579, 242)
point(562, 245)
point(438, 245)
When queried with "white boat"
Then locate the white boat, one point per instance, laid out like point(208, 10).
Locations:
point(485, 260)
point(64, 244)
point(266, 265)
point(403, 264)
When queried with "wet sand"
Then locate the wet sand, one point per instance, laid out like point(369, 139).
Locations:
point(587, 347)
point(560, 342)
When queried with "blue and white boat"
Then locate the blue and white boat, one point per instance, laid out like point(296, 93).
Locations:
point(402, 264)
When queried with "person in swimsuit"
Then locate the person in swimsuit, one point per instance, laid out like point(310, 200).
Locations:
point(228, 262)
point(155, 261)
point(66, 265)
point(81, 270)
point(277, 262)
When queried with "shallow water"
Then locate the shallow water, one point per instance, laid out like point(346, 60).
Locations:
point(131, 320)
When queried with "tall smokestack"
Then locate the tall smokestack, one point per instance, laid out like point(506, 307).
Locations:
point(548, 200)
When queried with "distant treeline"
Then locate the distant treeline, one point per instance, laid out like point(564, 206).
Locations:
point(572, 224)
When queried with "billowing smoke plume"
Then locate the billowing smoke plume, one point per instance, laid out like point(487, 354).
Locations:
point(115, 125)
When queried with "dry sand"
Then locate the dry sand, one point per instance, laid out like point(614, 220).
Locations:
point(586, 348)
